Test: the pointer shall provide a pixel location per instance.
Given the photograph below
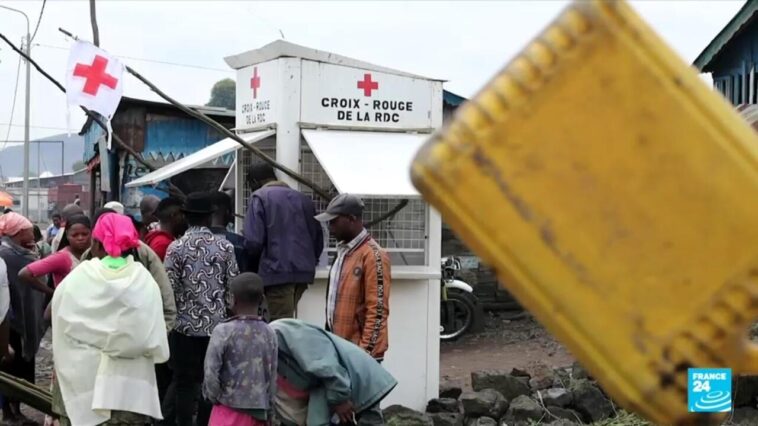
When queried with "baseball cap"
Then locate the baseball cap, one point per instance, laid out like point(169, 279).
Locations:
point(115, 205)
point(342, 205)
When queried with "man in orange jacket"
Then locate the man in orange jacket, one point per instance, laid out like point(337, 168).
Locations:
point(358, 293)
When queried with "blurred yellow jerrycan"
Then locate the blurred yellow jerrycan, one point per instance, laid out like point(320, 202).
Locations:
point(616, 196)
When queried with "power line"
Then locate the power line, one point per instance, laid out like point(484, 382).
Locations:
point(33, 127)
point(147, 60)
point(41, 11)
point(13, 105)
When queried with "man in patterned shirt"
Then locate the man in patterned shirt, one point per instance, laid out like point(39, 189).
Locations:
point(199, 266)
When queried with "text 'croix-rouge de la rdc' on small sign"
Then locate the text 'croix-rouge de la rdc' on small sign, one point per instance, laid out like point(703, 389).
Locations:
point(254, 111)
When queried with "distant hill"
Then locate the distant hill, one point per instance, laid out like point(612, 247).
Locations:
point(12, 158)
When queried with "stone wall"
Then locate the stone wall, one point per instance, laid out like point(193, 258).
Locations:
point(544, 396)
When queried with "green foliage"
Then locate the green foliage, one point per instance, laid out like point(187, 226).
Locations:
point(622, 419)
point(223, 94)
point(78, 165)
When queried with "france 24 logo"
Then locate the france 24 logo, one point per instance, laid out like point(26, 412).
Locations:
point(709, 390)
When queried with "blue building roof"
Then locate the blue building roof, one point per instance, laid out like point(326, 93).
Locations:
point(736, 25)
point(452, 99)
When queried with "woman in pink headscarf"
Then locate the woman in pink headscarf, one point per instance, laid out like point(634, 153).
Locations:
point(18, 229)
point(17, 250)
point(108, 316)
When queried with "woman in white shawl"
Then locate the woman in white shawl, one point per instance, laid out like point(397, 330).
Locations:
point(108, 333)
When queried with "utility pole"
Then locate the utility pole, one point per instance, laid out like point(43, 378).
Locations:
point(25, 209)
point(25, 205)
point(93, 180)
point(39, 185)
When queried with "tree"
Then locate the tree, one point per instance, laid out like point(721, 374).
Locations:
point(78, 165)
point(223, 94)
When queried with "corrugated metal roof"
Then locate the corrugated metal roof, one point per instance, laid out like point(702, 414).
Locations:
point(733, 28)
point(208, 110)
point(285, 49)
point(45, 176)
point(212, 111)
point(451, 98)
point(386, 175)
point(205, 155)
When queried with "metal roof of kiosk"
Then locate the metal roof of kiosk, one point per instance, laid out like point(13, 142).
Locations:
point(285, 49)
point(370, 164)
point(198, 158)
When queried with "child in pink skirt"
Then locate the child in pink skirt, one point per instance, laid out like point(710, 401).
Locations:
point(241, 361)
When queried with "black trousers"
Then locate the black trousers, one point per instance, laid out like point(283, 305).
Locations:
point(166, 393)
point(18, 367)
point(187, 359)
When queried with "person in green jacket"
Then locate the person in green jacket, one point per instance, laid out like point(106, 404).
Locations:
point(324, 379)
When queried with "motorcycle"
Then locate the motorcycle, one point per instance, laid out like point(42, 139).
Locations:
point(458, 304)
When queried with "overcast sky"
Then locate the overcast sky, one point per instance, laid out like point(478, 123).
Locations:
point(462, 42)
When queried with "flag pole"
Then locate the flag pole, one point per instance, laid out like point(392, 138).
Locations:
point(93, 20)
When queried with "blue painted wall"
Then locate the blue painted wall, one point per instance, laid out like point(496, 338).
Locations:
point(167, 139)
point(731, 68)
point(90, 140)
point(177, 137)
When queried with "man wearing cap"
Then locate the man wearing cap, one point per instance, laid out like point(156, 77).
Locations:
point(199, 266)
point(283, 238)
point(148, 207)
point(115, 206)
point(358, 293)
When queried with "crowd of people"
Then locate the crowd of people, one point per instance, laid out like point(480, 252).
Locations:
point(172, 319)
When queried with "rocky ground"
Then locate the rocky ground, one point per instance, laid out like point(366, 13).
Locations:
point(506, 342)
point(511, 373)
point(514, 373)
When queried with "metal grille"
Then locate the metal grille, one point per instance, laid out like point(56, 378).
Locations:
point(404, 235)
point(268, 146)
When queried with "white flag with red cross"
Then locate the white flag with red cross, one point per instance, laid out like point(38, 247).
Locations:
point(94, 79)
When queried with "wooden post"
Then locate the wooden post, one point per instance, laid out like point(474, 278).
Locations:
point(93, 20)
point(92, 193)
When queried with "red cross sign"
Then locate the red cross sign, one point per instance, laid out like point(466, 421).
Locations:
point(367, 85)
point(94, 80)
point(95, 75)
point(255, 83)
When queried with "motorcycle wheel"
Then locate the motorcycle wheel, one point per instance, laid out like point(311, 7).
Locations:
point(456, 314)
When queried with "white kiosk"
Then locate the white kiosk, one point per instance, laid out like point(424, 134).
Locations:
point(354, 127)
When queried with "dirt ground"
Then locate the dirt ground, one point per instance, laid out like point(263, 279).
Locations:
point(43, 372)
point(502, 345)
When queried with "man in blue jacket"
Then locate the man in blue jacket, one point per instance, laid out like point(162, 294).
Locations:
point(283, 238)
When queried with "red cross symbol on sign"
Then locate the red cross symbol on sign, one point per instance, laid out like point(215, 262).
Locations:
point(367, 85)
point(95, 75)
point(255, 83)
